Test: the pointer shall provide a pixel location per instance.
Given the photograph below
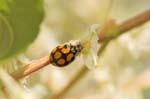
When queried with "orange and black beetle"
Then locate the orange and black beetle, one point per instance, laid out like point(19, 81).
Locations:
point(65, 53)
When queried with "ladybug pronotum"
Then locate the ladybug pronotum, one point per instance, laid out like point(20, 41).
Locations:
point(65, 53)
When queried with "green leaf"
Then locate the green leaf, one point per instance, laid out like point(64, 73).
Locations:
point(6, 36)
point(19, 25)
point(4, 6)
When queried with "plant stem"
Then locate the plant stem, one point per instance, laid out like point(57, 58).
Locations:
point(123, 27)
point(30, 68)
point(100, 51)
point(135, 21)
point(72, 82)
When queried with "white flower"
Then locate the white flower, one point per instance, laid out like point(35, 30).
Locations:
point(91, 47)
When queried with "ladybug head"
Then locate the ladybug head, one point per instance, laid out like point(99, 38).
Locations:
point(75, 46)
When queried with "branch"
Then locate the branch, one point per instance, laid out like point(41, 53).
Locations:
point(125, 26)
point(111, 29)
point(135, 21)
point(30, 68)
point(72, 82)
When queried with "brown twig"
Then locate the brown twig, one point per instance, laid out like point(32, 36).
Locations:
point(135, 21)
point(72, 82)
point(30, 68)
point(111, 29)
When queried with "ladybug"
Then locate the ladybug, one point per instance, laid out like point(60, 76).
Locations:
point(65, 53)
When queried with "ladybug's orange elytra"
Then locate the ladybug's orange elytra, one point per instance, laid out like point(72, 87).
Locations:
point(61, 62)
point(64, 54)
point(65, 50)
point(69, 57)
point(57, 55)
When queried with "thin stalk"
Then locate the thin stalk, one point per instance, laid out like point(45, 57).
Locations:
point(134, 22)
point(82, 72)
point(109, 9)
point(32, 67)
